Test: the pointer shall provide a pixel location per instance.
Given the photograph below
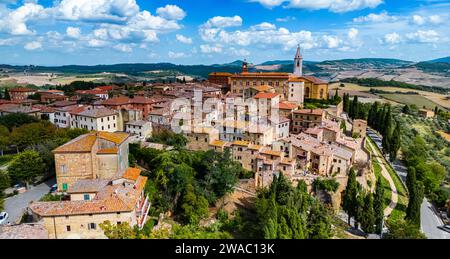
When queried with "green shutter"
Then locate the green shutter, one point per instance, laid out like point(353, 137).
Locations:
point(64, 186)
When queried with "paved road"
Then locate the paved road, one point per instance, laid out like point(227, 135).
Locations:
point(430, 221)
point(16, 205)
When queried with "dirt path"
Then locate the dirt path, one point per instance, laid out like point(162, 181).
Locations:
point(387, 176)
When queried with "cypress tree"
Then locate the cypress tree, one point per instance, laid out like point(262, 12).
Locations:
point(378, 205)
point(7, 96)
point(354, 108)
point(368, 213)
point(416, 196)
point(349, 201)
point(396, 139)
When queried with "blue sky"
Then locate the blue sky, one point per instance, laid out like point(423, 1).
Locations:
point(61, 32)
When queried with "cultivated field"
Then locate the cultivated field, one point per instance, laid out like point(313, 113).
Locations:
point(433, 98)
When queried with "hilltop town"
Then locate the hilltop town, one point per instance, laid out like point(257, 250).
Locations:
point(149, 159)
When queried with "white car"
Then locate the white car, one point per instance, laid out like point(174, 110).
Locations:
point(3, 218)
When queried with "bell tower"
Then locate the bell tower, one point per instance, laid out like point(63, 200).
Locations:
point(298, 63)
point(245, 66)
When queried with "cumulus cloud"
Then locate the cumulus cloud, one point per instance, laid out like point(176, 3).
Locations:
point(34, 45)
point(96, 11)
point(264, 26)
point(332, 42)
point(421, 36)
point(171, 12)
point(417, 19)
point(176, 55)
point(223, 22)
point(123, 48)
point(392, 38)
point(207, 49)
point(332, 5)
point(381, 17)
point(15, 22)
point(73, 32)
point(352, 33)
point(184, 39)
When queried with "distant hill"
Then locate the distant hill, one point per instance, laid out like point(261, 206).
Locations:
point(440, 60)
point(434, 67)
point(373, 63)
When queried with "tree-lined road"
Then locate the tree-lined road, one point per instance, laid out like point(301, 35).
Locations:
point(430, 221)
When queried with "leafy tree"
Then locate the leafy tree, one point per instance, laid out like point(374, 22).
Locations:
point(4, 139)
point(349, 201)
point(406, 109)
point(33, 134)
point(14, 120)
point(119, 231)
point(25, 167)
point(194, 206)
point(5, 181)
point(403, 230)
point(319, 222)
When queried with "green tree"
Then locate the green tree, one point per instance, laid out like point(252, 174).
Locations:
point(379, 205)
point(368, 220)
point(25, 167)
point(349, 201)
point(403, 230)
point(119, 231)
point(194, 206)
point(4, 139)
point(395, 142)
point(319, 222)
point(406, 109)
point(6, 95)
point(416, 196)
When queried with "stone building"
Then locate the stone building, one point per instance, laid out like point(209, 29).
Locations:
point(91, 156)
point(307, 118)
point(359, 128)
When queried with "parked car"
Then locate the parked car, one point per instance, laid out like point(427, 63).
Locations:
point(3, 218)
point(445, 228)
point(54, 188)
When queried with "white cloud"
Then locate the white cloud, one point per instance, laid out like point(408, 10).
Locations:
point(176, 55)
point(96, 11)
point(429, 36)
point(352, 33)
point(239, 52)
point(7, 42)
point(382, 17)
point(184, 39)
point(436, 19)
point(210, 49)
point(337, 6)
point(34, 45)
point(95, 43)
point(264, 26)
point(286, 19)
point(392, 38)
point(419, 20)
point(332, 42)
point(15, 22)
point(171, 12)
point(123, 48)
point(73, 32)
point(223, 22)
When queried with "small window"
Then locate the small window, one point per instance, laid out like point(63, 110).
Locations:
point(68, 228)
point(86, 197)
point(92, 226)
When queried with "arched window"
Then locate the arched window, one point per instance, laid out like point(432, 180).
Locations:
point(307, 92)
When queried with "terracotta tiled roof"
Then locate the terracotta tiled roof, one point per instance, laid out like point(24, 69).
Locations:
point(110, 199)
point(88, 186)
point(287, 106)
point(310, 111)
point(21, 89)
point(82, 144)
point(97, 113)
point(262, 88)
point(220, 74)
point(241, 143)
point(116, 137)
point(263, 95)
point(271, 152)
point(132, 174)
point(217, 143)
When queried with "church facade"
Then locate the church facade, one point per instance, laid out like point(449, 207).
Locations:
point(293, 87)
